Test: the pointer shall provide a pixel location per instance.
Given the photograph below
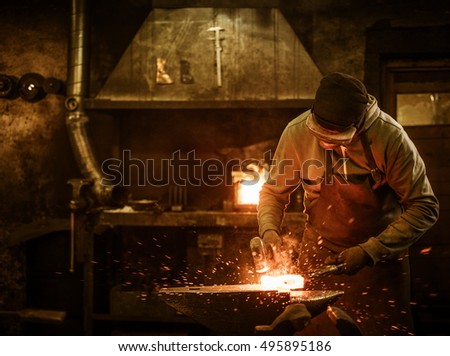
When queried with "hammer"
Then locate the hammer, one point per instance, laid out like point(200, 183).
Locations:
point(259, 255)
point(262, 263)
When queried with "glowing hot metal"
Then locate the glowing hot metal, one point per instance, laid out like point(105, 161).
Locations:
point(286, 281)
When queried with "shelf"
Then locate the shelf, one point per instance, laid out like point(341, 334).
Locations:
point(97, 104)
point(165, 4)
point(186, 219)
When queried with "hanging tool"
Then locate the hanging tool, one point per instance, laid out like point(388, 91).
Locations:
point(162, 77)
point(218, 50)
point(185, 72)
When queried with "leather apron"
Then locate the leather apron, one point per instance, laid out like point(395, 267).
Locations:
point(348, 212)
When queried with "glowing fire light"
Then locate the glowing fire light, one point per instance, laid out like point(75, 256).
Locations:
point(249, 194)
point(249, 185)
point(285, 281)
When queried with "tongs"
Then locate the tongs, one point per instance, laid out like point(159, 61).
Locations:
point(325, 271)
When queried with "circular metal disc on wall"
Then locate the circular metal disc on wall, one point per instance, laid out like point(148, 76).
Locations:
point(7, 86)
point(30, 87)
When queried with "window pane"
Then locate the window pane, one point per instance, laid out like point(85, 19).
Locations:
point(423, 109)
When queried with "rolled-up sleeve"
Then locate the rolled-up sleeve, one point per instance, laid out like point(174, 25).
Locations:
point(284, 178)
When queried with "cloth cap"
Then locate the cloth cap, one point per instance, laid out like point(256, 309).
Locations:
point(339, 107)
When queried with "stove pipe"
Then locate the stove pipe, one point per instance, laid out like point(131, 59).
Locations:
point(77, 91)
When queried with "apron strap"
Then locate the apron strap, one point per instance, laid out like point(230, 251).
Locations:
point(329, 171)
point(377, 175)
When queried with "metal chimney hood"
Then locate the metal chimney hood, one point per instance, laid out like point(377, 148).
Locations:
point(212, 58)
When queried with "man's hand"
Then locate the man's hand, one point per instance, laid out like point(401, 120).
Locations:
point(272, 242)
point(352, 260)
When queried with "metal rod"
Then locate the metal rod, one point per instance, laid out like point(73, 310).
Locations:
point(325, 271)
point(218, 60)
point(76, 119)
point(77, 91)
point(72, 242)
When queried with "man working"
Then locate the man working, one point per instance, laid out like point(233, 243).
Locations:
point(366, 196)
